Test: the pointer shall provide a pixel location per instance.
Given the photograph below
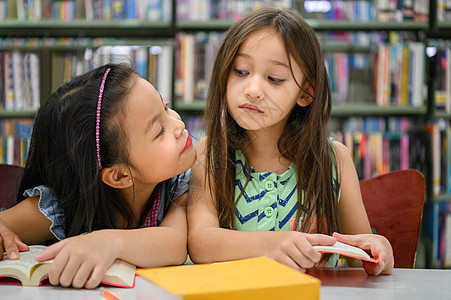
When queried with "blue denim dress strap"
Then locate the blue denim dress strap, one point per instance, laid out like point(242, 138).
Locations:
point(48, 206)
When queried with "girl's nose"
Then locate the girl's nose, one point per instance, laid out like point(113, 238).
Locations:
point(179, 127)
point(254, 88)
point(178, 124)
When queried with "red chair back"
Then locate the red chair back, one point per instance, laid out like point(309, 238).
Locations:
point(10, 177)
point(394, 205)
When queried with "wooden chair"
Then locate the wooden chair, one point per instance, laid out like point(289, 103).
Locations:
point(10, 177)
point(394, 204)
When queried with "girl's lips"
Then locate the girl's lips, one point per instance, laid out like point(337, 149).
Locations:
point(188, 144)
point(251, 108)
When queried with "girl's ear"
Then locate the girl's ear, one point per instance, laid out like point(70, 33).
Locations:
point(306, 97)
point(116, 177)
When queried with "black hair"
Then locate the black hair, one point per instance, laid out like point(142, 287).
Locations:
point(62, 152)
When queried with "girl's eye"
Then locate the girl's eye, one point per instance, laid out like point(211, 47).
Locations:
point(275, 80)
point(163, 129)
point(240, 72)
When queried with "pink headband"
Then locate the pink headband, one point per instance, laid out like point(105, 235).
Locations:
point(99, 105)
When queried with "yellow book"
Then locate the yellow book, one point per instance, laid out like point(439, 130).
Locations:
point(254, 278)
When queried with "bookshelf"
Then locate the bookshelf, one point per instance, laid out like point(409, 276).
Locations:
point(50, 37)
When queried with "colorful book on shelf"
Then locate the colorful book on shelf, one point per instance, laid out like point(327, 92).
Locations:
point(32, 273)
point(254, 278)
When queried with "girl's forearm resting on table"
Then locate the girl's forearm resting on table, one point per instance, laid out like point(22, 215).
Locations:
point(217, 244)
point(210, 244)
point(151, 247)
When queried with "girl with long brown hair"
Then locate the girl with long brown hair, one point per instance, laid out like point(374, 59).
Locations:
point(267, 159)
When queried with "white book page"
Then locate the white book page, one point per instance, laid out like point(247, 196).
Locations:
point(26, 261)
point(342, 248)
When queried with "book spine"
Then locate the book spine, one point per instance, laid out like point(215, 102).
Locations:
point(165, 73)
point(436, 160)
point(447, 236)
point(448, 80)
point(188, 69)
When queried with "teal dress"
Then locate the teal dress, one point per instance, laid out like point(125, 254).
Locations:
point(269, 200)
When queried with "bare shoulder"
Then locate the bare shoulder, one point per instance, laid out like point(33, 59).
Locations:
point(343, 158)
point(341, 150)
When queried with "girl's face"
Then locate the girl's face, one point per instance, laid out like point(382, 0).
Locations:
point(261, 90)
point(160, 147)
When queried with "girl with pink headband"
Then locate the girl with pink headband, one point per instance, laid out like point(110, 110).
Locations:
point(105, 178)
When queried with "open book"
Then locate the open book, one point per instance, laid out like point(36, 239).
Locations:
point(338, 247)
point(31, 272)
point(346, 250)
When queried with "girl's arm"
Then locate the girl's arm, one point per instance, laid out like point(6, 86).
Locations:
point(20, 224)
point(207, 242)
point(82, 261)
point(353, 219)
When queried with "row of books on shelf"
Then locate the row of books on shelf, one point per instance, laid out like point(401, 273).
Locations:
point(399, 76)
point(194, 58)
point(440, 132)
point(382, 145)
point(352, 40)
point(39, 43)
point(348, 10)
point(444, 10)
point(440, 64)
point(15, 137)
point(367, 10)
point(35, 10)
point(19, 81)
point(392, 75)
point(202, 10)
point(20, 70)
point(438, 233)
point(150, 10)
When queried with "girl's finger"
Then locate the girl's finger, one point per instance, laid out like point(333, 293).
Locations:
point(304, 255)
point(82, 275)
point(65, 272)
point(51, 252)
point(57, 267)
point(357, 240)
point(9, 244)
point(320, 239)
point(21, 245)
point(96, 276)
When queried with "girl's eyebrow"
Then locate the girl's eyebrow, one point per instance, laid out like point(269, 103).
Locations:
point(273, 61)
point(156, 117)
point(279, 63)
point(151, 122)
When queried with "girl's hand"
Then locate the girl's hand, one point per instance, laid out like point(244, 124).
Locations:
point(295, 249)
point(378, 245)
point(80, 261)
point(10, 243)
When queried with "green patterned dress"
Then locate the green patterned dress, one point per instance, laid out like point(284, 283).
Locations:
point(269, 201)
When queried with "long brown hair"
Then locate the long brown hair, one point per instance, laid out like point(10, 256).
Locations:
point(304, 140)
